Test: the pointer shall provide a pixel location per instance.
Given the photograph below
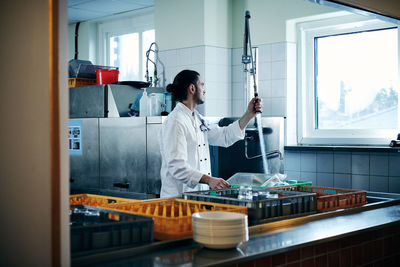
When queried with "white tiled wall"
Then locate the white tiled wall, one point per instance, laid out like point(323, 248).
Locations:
point(222, 71)
point(272, 78)
point(214, 65)
point(372, 171)
point(238, 105)
point(218, 75)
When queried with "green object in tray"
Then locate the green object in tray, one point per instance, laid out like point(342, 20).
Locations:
point(298, 182)
point(290, 182)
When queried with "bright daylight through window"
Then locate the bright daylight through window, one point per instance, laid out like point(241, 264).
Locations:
point(127, 52)
point(355, 80)
point(348, 81)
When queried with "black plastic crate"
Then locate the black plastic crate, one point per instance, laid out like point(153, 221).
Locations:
point(265, 205)
point(98, 229)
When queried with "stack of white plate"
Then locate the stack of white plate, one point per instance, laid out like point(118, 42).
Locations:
point(218, 229)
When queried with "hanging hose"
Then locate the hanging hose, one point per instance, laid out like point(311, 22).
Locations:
point(155, 51)
point(76, 39)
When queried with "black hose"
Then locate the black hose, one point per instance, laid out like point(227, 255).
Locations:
point(76, 39)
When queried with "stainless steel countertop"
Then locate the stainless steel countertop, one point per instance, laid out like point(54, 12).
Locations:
point(265, 240)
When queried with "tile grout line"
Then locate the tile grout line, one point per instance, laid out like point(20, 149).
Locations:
point(369, 171)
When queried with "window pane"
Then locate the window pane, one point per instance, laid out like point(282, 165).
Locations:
point(124, 53)
point(148, 38)
point(355, 78)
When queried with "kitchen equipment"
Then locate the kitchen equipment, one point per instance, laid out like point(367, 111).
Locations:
point(244, 155)
point(99, 101)
point(264, 205)
point(136, 84)
point(155, 80)
point(395, 143)
point(117, 155)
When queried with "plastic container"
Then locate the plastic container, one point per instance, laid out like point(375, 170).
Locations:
point(107, 76)
point(168, 102)
point(264, 205)
point(93, 229)
point(261, 180)
point(172, 216)
point(98, 201)
point(329, 198)
point(144, 105)
point(76, 82)
point(156, 104)
point(298, 182)
point(290, 182)
point(78, 68)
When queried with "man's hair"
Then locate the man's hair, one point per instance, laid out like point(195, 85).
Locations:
point(181, 82)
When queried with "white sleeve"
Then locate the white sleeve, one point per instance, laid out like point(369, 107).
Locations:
point(225, 136)
point(175, 153)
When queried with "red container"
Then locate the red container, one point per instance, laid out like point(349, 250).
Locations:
point(106, 76)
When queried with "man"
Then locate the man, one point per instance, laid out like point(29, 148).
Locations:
point(185, 137)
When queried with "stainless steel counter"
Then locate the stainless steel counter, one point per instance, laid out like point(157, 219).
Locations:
point(265, 240)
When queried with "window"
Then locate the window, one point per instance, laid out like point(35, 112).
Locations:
point(127, 52)
point(348, 77)
point(123, 43)
point(124, 53)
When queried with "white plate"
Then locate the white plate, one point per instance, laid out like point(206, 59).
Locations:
point(214, 246)
point(219, 243)
point(241, 225)
point(219, 217)
point(220, 240)
point(209, 231)
point(211, 223)
point(221, 234)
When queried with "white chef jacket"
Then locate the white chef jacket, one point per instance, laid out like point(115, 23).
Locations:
point(185, 154)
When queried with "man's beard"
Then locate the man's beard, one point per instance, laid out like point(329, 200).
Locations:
point(196, 97)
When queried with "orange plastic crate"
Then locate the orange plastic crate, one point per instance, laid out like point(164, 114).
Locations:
point(329, 198)
point(98, 200)
point(76, 82)
point(173, 216)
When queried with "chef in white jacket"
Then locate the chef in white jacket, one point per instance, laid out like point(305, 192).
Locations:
point(186, 135)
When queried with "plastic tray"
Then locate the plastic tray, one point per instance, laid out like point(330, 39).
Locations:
point(290, 182)
point(262, 209)
point(76, 82)
point(96, 230)
point(84, 69)
point(173, 216)
point(98, 200)
point(329, 198)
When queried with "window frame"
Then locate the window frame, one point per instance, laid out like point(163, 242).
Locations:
point(307, 134)
point(135, 22)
